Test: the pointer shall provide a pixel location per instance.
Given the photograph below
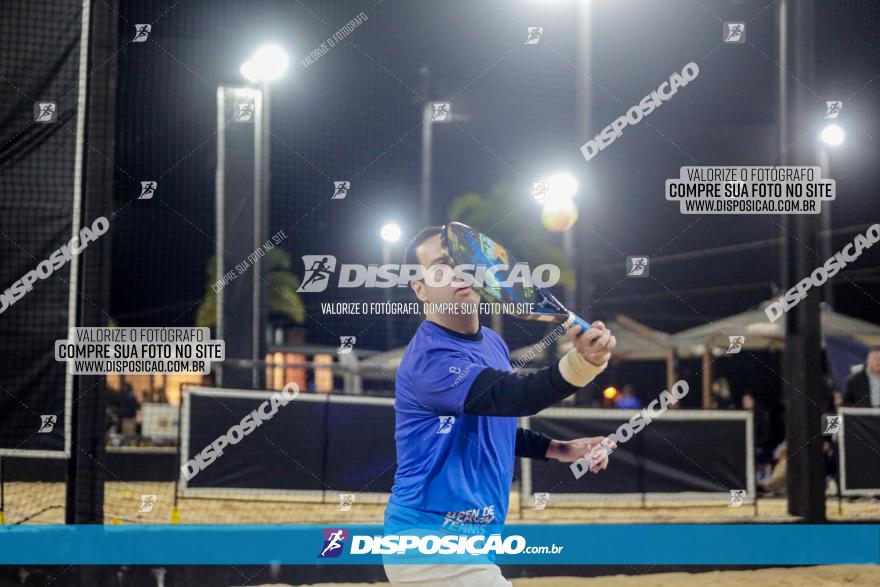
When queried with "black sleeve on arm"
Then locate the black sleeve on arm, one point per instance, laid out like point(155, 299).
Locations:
point(498, 393)
point(531, 444)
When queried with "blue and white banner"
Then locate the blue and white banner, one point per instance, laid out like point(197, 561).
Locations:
point(523, 544)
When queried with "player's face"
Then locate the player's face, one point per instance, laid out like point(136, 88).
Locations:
point(432, 256)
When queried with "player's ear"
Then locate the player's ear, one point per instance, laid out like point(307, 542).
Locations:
point(420, 289)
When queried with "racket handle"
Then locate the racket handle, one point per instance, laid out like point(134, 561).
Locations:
point(575, 320)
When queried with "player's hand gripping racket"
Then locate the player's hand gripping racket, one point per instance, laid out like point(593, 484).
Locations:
point(467, 246)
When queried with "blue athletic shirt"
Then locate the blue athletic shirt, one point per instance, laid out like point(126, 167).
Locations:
point(453, 470)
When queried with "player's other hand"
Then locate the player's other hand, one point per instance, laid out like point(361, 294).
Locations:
point(592, 448)
point(594, 345)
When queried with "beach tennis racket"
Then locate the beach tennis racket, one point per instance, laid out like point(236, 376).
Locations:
point(467, 246)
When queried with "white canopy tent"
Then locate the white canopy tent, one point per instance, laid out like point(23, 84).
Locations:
point(759, 334)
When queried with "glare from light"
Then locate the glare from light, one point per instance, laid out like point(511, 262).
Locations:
point(244, 93)
point(390, 233)
point(610, 392)
point(832, 135)
point(562, 189)
point(269, 63)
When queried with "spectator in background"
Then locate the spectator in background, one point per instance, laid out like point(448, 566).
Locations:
point(829, 452)
point(628, 399)
point(128, 403)
point(721, 397)
point(775, 483)
point(863, 388)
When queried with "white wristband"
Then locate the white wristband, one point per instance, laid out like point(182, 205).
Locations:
point(577, 370)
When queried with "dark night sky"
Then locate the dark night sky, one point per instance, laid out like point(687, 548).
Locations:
point(355, 114)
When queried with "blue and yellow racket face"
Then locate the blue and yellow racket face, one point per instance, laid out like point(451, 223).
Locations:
point(467, 246)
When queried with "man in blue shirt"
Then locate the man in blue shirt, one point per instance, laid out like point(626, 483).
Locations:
point(457, 403)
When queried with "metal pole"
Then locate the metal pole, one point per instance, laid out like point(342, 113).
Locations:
point(803, 390)
point(825, 165)
point(782, 18)
point(389, 324)
point(568, 251)
point(427, 143)
point(579, 298)
point(261, 205)
point(84, 498)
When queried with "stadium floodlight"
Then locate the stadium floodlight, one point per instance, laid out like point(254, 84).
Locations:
point(390, 233)
point(562, 189)
point(268, 63)
point(832, 135)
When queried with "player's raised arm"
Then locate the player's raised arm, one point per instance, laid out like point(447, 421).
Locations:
point(498, 393)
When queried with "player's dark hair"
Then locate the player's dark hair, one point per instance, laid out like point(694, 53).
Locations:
point(410, 257)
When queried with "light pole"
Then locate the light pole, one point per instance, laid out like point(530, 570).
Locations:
point(831, 136)
point(267, 64)
point(427, 145)
point(390, 233)
point(428, 141)
point(559, 215)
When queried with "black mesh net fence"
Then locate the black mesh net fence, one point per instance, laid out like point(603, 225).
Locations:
point(349, 114)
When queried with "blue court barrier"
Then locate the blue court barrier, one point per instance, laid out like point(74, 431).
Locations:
point(566, 544)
